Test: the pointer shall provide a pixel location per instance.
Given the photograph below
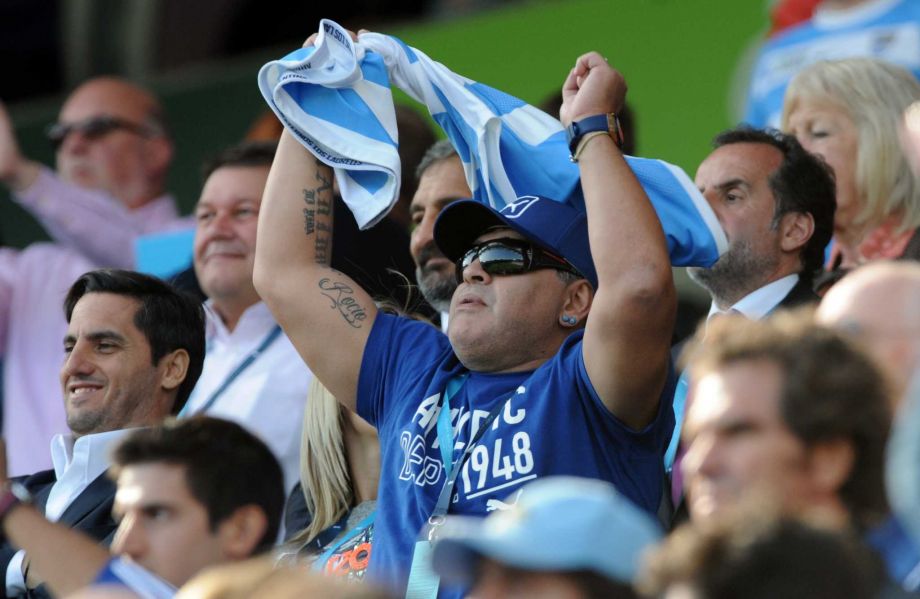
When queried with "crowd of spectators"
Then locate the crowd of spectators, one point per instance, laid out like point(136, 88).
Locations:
point(452, 397)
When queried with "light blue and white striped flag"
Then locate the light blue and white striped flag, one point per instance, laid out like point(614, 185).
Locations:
point(335, 98)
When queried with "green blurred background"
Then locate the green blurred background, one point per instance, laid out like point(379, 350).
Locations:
point(680, 57)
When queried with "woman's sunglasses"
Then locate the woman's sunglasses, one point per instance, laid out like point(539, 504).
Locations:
point(94, 128)
point(508, 256)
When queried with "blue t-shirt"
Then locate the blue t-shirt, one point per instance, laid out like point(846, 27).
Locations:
point(554, 423)
point(885, 29)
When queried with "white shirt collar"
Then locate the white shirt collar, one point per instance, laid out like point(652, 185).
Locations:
point(90, 453)
point(760, 302)
point(255, 321)
point(835, 18)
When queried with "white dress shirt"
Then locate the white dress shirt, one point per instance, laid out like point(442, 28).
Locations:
point(268, 397)
point(761, 302)
point(77, 463)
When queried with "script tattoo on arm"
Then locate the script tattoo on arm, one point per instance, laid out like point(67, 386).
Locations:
point(341, 297)
point(309, 213)
point(317, 215)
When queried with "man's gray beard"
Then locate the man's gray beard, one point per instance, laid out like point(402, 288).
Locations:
point(737, 273)
point(437, 288)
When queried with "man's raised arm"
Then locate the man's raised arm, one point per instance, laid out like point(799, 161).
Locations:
point(627, 337)
point(326, 315)
point(16, 171)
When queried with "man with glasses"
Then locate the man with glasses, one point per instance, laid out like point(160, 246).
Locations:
point(112, 155)
point(525, 384)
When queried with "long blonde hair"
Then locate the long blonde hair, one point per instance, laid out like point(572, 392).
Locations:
point(324, 472)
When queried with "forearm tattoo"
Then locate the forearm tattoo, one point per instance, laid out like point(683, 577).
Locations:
point(317, 215)
point(341, 297)
point(317, 223)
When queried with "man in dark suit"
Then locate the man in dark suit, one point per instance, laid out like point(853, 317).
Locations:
point(134, 349)
point(776, 204)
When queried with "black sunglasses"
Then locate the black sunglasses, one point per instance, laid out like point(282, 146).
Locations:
point(508, 256)
point(94, 128)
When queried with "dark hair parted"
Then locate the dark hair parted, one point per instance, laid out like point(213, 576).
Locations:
point(831, 390)
point(802, 183)
point(169, 319)
point(226, 467)
point(246, 153)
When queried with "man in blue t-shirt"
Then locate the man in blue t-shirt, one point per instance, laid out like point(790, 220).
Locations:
point(526, 383)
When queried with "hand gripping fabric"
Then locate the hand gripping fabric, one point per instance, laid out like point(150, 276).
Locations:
point(335, 98)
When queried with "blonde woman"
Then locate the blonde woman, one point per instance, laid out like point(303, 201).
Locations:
point(850, 112)
point(332, 510)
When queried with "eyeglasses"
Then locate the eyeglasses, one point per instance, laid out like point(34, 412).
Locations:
point(95, 128)
point(508, 256)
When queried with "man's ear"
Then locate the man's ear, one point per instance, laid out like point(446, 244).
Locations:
point(174, 367)
point(577, 302)
point(796, 228)
point(241, 532)
point(831, 464)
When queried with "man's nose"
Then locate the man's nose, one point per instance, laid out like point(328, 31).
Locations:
point(475, 273)
point(700, 458)
point(221, 224)
point(129, 539)
point(74, 142)
point(77, 362)
point(422, 236)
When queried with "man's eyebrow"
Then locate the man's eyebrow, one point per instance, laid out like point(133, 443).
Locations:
point(732, 183)
point(105, 335)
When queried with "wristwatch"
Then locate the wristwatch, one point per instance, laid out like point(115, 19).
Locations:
point(605, 123)
point(13, 494)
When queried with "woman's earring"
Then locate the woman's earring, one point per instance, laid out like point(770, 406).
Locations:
point(569, 321)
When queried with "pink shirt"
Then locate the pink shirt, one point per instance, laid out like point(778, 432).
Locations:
point(33, 284)
point(93, 222)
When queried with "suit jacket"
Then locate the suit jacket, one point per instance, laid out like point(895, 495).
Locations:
point(90, 512)
point(800, 295)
